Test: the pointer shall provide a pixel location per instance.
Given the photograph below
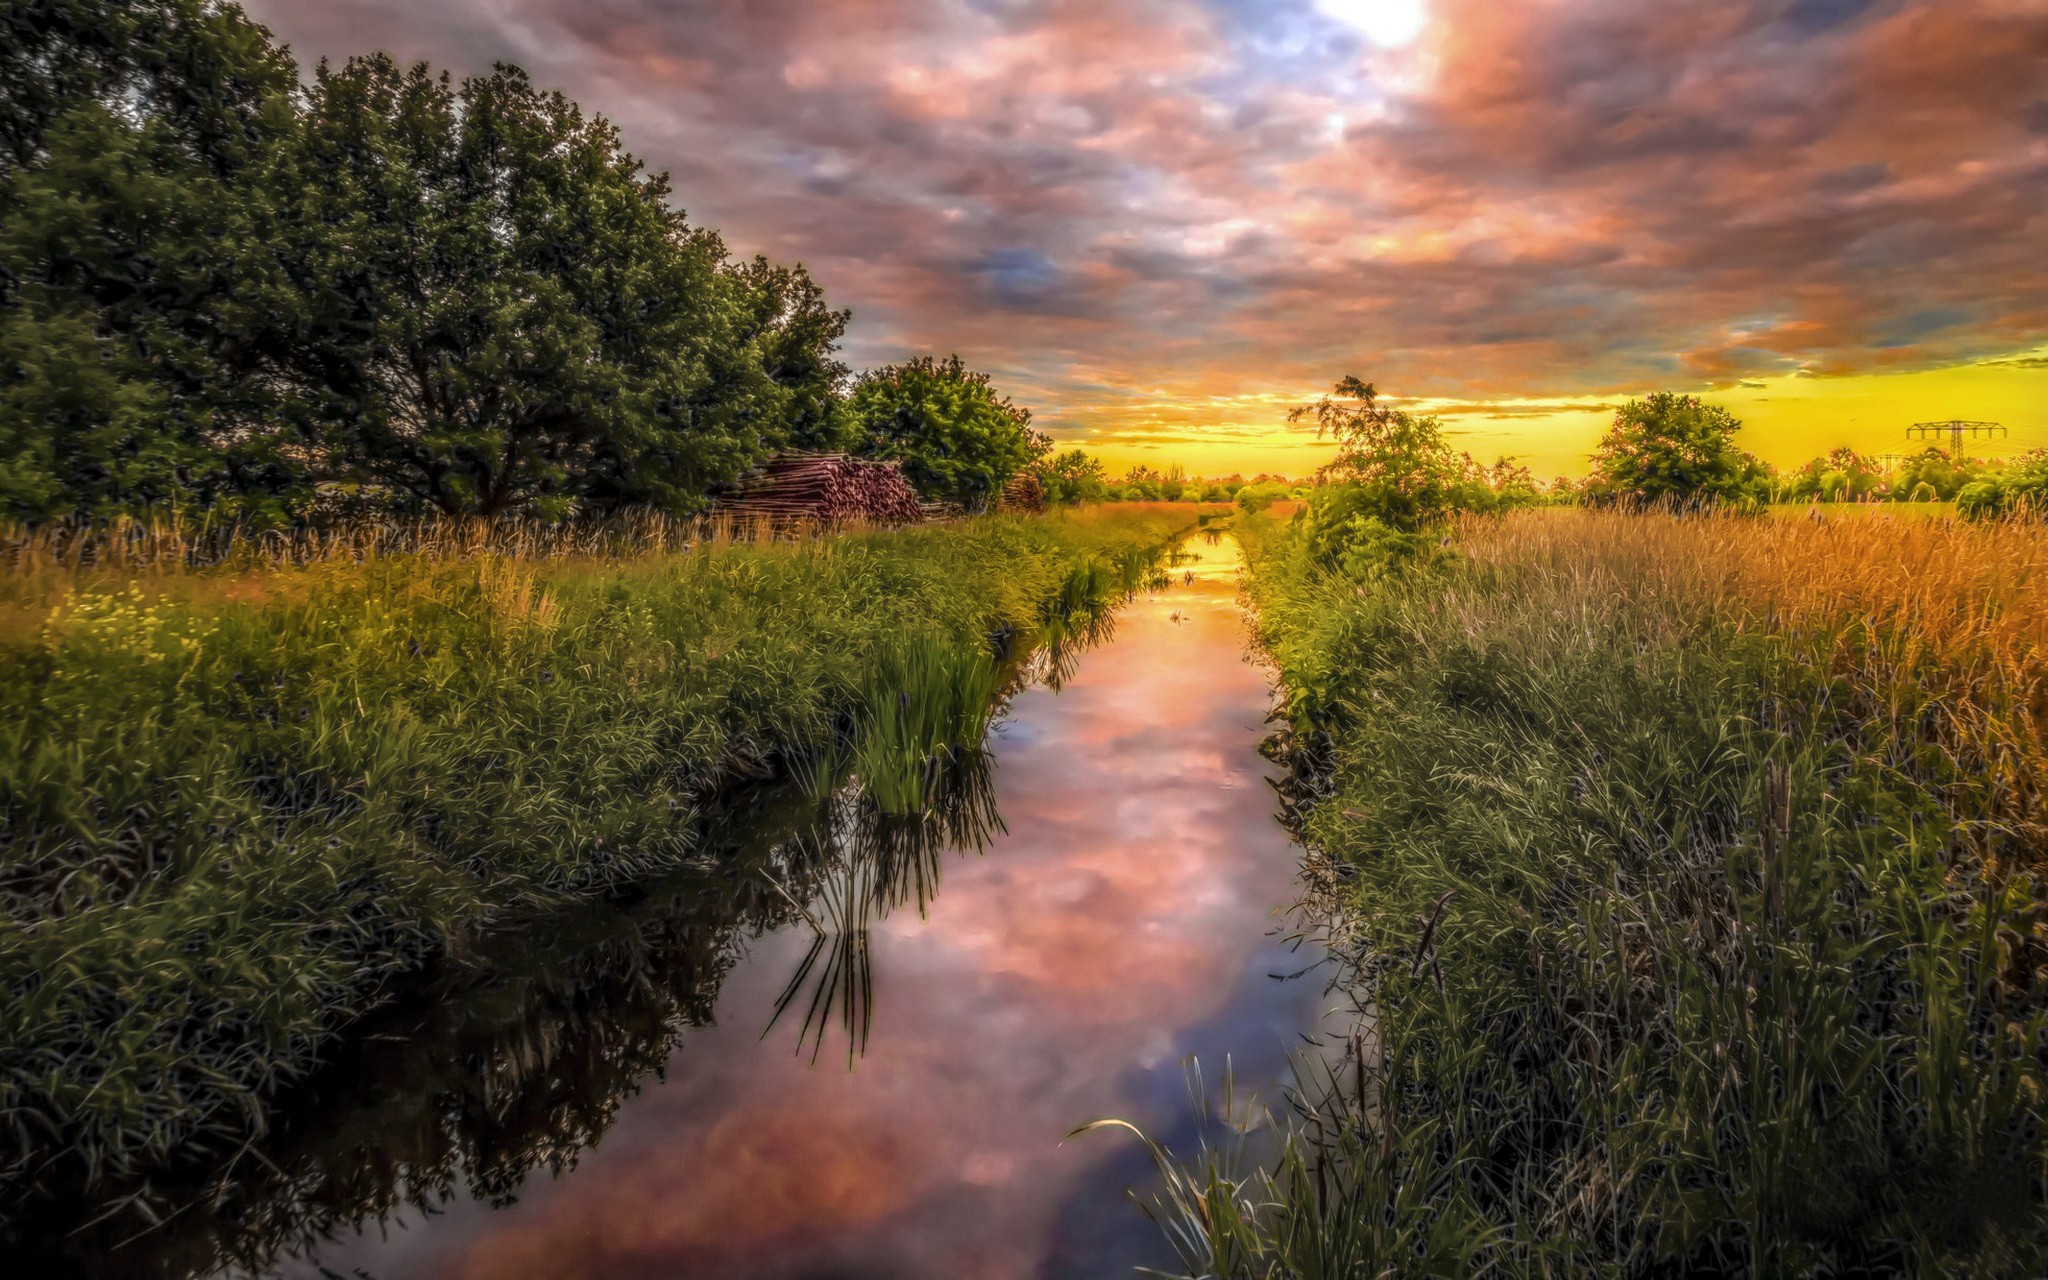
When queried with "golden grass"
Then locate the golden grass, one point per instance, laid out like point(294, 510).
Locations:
point(1928, 618)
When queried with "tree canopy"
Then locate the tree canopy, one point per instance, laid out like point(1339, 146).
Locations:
point(957, 437)
point(1405, 473)
point(220, 286)
point(1670, 447)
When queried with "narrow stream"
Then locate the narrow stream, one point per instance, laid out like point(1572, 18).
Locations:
point(1124, 920)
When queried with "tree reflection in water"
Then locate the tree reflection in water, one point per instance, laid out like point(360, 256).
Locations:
point(518, 1053)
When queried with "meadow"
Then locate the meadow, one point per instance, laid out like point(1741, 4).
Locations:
point(245, 785)
point(1688, 871)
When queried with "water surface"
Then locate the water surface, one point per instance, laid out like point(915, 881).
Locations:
point(1123, 920)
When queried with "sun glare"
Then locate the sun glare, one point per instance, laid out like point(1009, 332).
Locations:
point(1386, 23)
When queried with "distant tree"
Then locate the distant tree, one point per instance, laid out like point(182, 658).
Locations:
point(1841, 475)
point(958, 438)
point(1933, 476)
point(2018, 489)
point(1259, 495)
point(1173, 483)
point(1673, 447)
point(1409, 475)
point(1070, 477)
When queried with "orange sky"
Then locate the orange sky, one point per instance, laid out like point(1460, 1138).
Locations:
point(1160, 222)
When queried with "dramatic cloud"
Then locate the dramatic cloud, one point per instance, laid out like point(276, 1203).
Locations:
point(1150, 215)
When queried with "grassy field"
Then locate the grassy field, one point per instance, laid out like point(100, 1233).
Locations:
point(238, 799)
point(1865, 510)
point(1690, 871)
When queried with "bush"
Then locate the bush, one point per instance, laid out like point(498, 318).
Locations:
point(1981, 500)
point(958, 438)
point(1346, 532)
point(1253, 498)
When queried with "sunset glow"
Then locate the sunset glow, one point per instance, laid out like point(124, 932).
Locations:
point(1161, 222)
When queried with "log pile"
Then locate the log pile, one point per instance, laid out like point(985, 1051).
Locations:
point(1023, 493)
point(828, 488)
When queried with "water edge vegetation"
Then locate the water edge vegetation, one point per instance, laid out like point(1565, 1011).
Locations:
point(1688, 872)
point(241, 798)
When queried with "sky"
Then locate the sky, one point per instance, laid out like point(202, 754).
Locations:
point(1160, 223)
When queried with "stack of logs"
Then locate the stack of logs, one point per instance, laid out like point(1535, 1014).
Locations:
point(1023, 493)
point(829, 488)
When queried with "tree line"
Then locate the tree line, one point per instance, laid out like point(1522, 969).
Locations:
point(1670, 447)
point(225, 287)
point(1395, 480)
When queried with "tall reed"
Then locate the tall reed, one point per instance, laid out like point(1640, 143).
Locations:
point(235, 800)
point(1687, 870)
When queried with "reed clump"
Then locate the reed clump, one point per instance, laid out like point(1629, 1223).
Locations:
point(1688, 872)
point(238, 796)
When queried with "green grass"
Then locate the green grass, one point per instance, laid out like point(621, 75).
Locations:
point(1686, 946)
point(236, 803)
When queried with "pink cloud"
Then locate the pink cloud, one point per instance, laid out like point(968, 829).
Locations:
point(1104, 200)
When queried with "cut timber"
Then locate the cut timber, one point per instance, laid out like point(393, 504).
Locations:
point(1022, 493)
point(828, 488)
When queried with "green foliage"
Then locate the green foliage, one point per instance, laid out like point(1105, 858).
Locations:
point(223, 288)
point(1983, 499)
point(1393, 484)
point(1933, 476)
point(1257, 497)
point(1681, 950)
point(958, 438)
point(1843, 475)
point(235, 803)
point(2020, 488)
point(139, 314)
point(1407, 473)
point(538, 327)
point(1673, 448)
point(1345, 529)
point(1072, 477)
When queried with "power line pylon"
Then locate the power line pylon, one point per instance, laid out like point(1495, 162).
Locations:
point(1955, 429)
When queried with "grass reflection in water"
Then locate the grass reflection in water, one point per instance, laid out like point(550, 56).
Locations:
point(518, 1054)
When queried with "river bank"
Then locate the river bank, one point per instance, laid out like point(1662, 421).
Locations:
point(238, 803)
point(839, 1040)
point(1692, 869)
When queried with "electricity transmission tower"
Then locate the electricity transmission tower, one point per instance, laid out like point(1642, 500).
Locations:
point(1955, 430)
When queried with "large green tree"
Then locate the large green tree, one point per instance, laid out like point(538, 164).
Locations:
point(533, 325)
point(1674, 448)
point(220, 287)
point(958, 438)
point(140, 303)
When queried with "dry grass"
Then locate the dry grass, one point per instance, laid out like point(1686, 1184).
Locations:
point(1689, 870)
point(1936, 619)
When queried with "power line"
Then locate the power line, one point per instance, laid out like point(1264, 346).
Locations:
point(1955, 429)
